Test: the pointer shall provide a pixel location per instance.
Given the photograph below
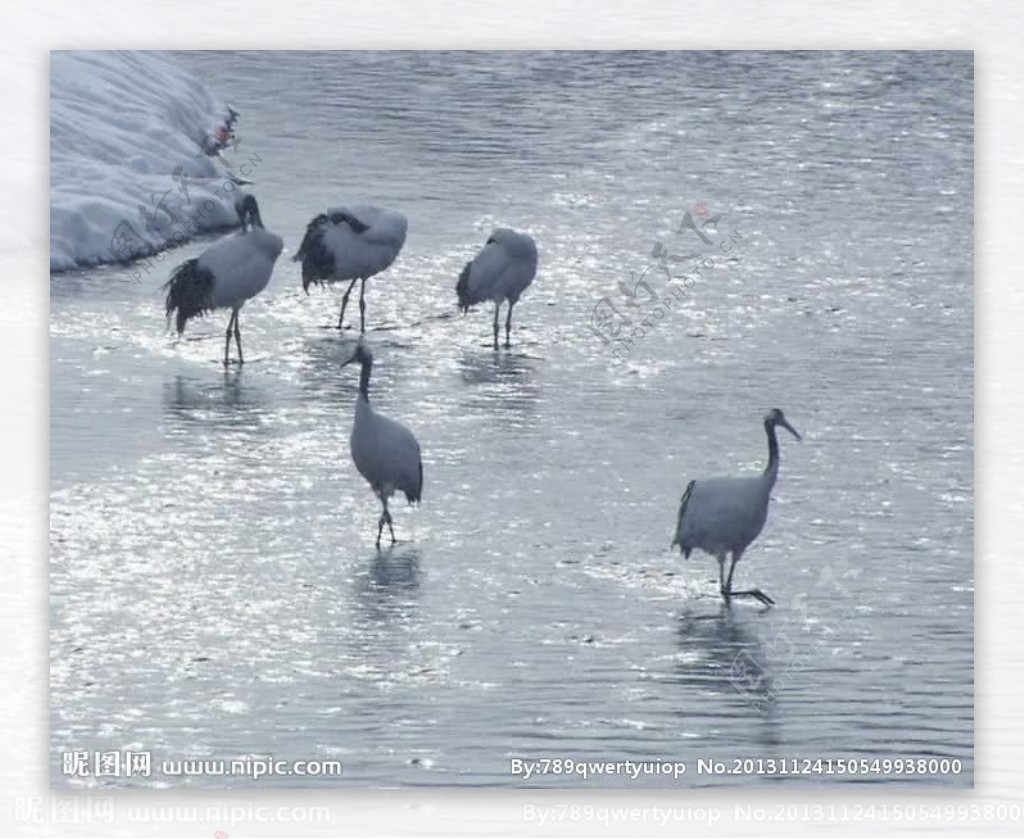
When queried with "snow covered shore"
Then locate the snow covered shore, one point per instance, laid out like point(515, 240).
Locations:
point(129, 176)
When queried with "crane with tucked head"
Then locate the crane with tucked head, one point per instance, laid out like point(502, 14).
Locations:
point(722, 516)
point(502, 270)
point(385, 452)
point(225, 275)
point(350, 243)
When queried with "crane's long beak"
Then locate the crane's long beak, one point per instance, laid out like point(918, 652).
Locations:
point(350, 360)
point(790, 429)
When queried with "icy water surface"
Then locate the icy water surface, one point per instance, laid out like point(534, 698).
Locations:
point(215, 589)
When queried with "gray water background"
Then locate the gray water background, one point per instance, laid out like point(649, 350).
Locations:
point(215, 591)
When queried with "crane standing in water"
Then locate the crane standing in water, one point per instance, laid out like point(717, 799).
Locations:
point(385, 452)
point(225, 275)
point(502, 270)
point(724, 515)
point(350, 243)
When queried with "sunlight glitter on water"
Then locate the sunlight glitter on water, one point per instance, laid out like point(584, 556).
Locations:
point(214, 582)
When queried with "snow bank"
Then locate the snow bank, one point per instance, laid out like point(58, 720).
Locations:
point(128, 174)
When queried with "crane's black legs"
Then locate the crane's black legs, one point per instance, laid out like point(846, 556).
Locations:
point(732, 567)
point(385, 517)
point(362, 305)
point(727, 591)
point(508, 325)
point(344, 303)
point(232, 324)
point(238, 339)
point(755, 593)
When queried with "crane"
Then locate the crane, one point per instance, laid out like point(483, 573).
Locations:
point(502, 270)
point(225, 275)
point(384, 451)
point(724, 515)
point(350, 243)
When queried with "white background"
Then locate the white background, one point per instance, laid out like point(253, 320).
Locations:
point(994, 30)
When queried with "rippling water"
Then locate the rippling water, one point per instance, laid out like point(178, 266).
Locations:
point(215, 590)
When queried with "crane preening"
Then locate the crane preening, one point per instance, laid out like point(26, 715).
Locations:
point(225, 275)
point(350, 243)
point(724, 515)
point(501, 271)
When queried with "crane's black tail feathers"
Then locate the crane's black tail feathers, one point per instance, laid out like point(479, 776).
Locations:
point(685, 550)
point(462, 289)
point(317, 260)
point(417, 493)
point(190, 292)
point(312, 232)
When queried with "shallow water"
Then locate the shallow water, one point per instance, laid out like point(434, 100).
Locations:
point(215, 590)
